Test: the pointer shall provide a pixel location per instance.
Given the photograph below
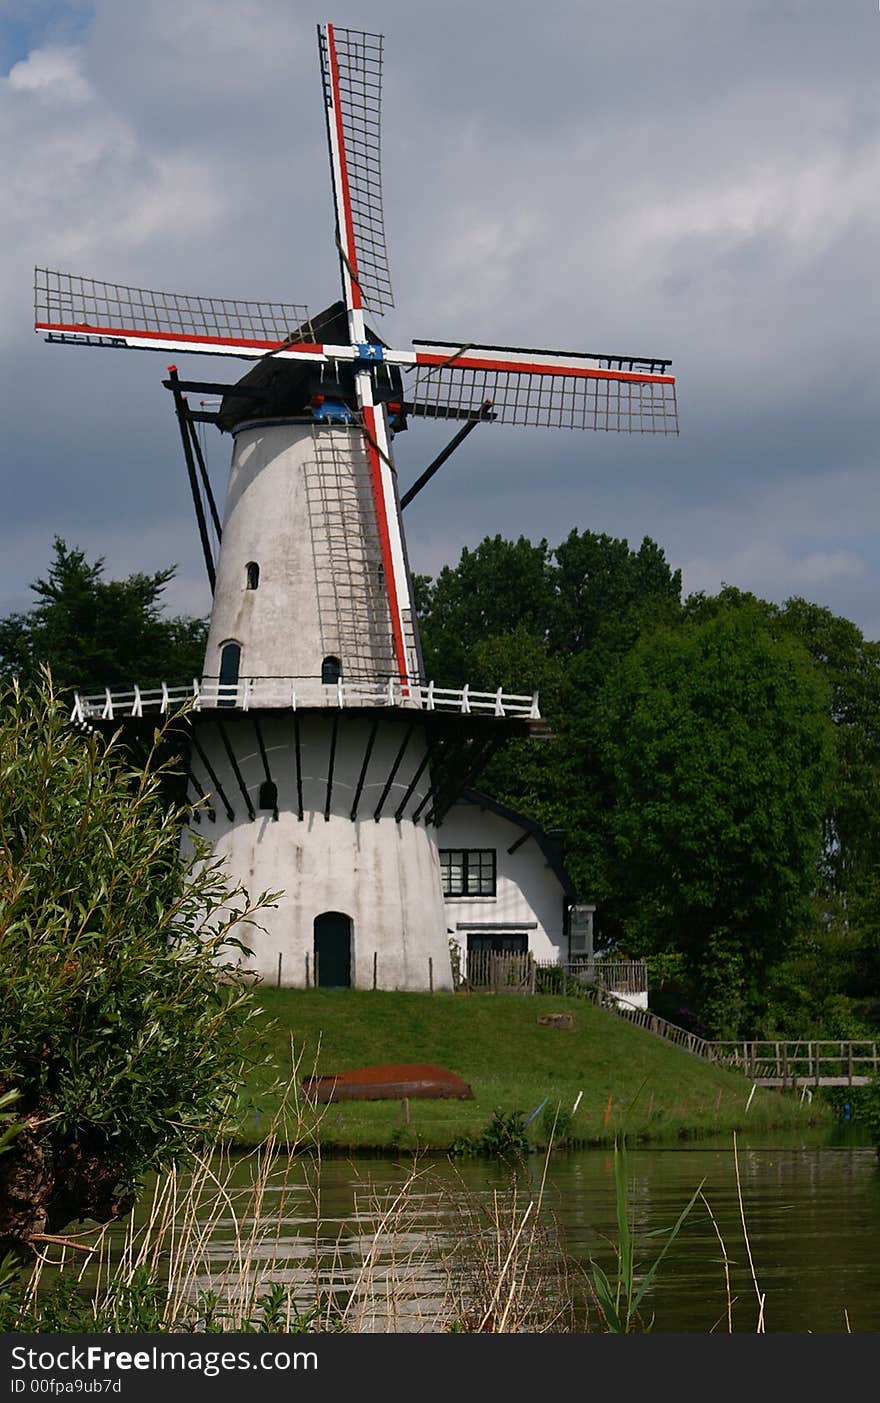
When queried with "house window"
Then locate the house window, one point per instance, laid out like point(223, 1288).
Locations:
point(498, 944)
point(331, 670)
point(252, 575)
point(468, 871)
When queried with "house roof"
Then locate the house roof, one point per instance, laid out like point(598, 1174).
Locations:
point(550, 841)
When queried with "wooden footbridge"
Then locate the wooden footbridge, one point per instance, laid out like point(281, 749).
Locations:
point(773, 1062)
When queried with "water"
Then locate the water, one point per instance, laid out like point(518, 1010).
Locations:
point(406, 1251)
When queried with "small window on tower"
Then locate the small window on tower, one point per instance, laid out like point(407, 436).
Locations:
point(252, 574)
point(331, 670)
point(269, 796)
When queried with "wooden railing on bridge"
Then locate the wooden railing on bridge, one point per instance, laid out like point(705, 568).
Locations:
point(653, 1023)
point(815, 1062)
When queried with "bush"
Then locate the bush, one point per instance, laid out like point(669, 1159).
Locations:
point(504, 1136)
point(121, 1040)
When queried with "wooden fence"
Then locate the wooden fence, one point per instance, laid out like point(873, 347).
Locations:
point(583, 978)
point(522, 974)
point(502, 974)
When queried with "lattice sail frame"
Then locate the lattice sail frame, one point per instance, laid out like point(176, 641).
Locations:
point(524, 386)
point(546, 389)
point(66, 302)
point(351, 69)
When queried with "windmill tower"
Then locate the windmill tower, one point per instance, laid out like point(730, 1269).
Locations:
point(324, 758)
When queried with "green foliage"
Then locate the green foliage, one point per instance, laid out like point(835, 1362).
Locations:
point(599, 631)
point(115, 1028)
point(532, 618)
point(493, 590)
point(813, 991)
point(849, 665)
point(504, 1136)
point(96, 633)
point(139, 1305)
point(556, 1124)
point(866, 1104)
point(718, 746)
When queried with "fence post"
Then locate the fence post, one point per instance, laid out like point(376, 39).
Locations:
point(308, 978)
point(375, 963)
point(278, 981)
point(430, 974)
point(317, 971)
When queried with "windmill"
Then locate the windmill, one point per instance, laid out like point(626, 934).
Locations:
point(322, 759)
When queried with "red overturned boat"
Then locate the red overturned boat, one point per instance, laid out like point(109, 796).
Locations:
point(388, 1083)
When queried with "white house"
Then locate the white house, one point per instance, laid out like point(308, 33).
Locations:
point(505, 887)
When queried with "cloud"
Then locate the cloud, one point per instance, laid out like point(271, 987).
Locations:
point(695, 181)
point(53, 75)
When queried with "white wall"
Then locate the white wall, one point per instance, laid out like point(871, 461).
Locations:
point(382, 874)
point(299, 504)
point(528, 891)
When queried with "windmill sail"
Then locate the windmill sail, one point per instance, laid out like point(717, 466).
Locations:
point(351, 67)
point(552, 389)
point(85, 311)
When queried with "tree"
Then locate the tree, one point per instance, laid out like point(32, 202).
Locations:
point(529, 617)
point(849, 665)
point(497, 588)
point(96, 633)
point(718, 748)
point(116, 1031)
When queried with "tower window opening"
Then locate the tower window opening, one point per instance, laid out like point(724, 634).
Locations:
point(331, 670)
point(252, 575)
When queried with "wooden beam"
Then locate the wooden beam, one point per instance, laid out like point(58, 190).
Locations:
point(209, 770)
point(377, 812)
point(398, 813)
point(265, 760)
point(297, 751)
point(363, 774)
point(333, 735)
point(235, 770)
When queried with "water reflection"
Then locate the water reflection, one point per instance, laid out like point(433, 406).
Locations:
point(399, 1246)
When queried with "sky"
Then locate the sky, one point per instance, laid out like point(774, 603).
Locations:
point(689, 180)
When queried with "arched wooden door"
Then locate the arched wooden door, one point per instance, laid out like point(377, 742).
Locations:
point(333, 950)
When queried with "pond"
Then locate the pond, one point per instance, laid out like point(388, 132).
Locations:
point(787, 1235)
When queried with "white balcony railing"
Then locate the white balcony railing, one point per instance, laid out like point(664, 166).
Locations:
point(289, 693)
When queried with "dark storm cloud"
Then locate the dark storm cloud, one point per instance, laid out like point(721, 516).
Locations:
point(692, 180)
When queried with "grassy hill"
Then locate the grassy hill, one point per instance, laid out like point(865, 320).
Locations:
point(629, 1081)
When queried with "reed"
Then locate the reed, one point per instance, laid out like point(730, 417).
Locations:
point(429, 1255)
point(211, 1253)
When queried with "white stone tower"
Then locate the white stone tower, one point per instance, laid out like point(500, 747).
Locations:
point(323, 757)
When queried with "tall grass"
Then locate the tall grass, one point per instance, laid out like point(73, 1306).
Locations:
point(210, 1253)
point(213, 1253)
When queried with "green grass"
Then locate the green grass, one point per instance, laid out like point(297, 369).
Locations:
point(633, 1083)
